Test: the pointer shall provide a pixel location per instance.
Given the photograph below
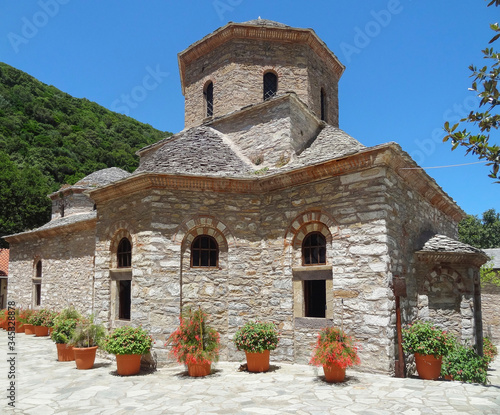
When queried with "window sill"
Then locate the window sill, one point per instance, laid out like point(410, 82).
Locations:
point(118, 274)
point(312, 322)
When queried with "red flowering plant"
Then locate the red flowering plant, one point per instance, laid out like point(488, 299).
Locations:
point(335, 347)
point(256, 336)
point(425, 339)
point(194, 341)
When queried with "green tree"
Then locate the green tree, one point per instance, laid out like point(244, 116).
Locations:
point(23, 198)
point(477, 141)
point(481, 233)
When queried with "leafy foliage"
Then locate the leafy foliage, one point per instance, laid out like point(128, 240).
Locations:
point(42, 317)
point(485, 85)
point(425, 339)
point(481, 233)
point(490, 351)
point(194, 342)
point(25, 315)
point(63, 330)
point(256, 336)
point(462, 363)
point(87, 333)
point(48, 138)
point(335, 347)
point(128, 340)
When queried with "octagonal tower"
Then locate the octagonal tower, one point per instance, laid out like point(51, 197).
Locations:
point(245, 63)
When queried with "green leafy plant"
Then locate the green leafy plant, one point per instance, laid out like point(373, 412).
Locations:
point(87, 333)
point(63, 330)
point(462, 363)
point(256, 336)
point(64, 325)
point(425, 339)
point(334, 346)
point(128, 340)
point(194, 342)
point(42, 317)
point(24, 315)
point(490, 351)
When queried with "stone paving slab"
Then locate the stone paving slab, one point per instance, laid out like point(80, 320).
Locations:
point(44, 386)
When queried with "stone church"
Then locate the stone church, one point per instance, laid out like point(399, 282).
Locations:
point(261, 208)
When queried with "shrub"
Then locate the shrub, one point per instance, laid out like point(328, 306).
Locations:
point(24, 315)
point(87, 333)
point(128, 340)
point(462, 363)
point(194, 342)
point(425, 339)
point(42, 317)
point(256, 336)
point(334, 346)
point(490, 351)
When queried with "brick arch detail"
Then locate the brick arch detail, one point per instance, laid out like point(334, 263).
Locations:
point(440, 272)
point(311, 221)
point(204, 225)
point(116, 233)
point(277, 71)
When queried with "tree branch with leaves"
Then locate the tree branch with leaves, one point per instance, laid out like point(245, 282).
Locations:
point(485, 84)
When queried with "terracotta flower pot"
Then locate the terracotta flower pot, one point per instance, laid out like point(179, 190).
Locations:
point(334, 373)
point(65, 352)
point(29, 329)
point(19, 327)
point(428, 366)
point(84, 357)
point(41, 331)
point(197, 370)
point(258, 362)
point(128, 364)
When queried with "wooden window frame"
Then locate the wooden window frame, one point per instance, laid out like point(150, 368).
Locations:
point(197, 252)
point(124, 254)
point(308, 250)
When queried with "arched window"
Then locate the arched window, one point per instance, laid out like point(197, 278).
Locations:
point(314, 249)
point(270, 85)
point(204, 252)
point(124, 254)
point(37, 283)
point(209, 99)
point(323, 105)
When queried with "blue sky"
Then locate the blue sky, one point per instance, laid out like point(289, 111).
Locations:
point(406, 64)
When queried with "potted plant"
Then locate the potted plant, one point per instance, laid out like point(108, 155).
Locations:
point(335, 351)
point(257, 339)
point(19, 324)
point(194, 343)
point(462, 363)
point(429, 344)
point(3, 319)
point(85, 340)
point(128, 344)
point(64, 326)
point(41, 320)
point(24, 318)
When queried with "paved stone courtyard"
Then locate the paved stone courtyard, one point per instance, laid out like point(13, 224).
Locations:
point(46, 386)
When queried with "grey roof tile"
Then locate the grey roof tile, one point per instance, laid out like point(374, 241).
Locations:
point(102, 177)
point(441, 243)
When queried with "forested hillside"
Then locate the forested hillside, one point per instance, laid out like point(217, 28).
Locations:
point(48, 138)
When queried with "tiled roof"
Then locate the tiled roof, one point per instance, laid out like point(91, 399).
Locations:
point(494, 253)
point(4, 262)
point(441, 243)
point(265, 22)
point(102, 177)
point(199, 150)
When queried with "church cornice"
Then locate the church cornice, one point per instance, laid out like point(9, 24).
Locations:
point(387, 155)
point(257, 32)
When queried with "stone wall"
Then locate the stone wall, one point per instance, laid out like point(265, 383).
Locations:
point(257, 235)
point(67, 270)
point(490, 298)
point(237, 69)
